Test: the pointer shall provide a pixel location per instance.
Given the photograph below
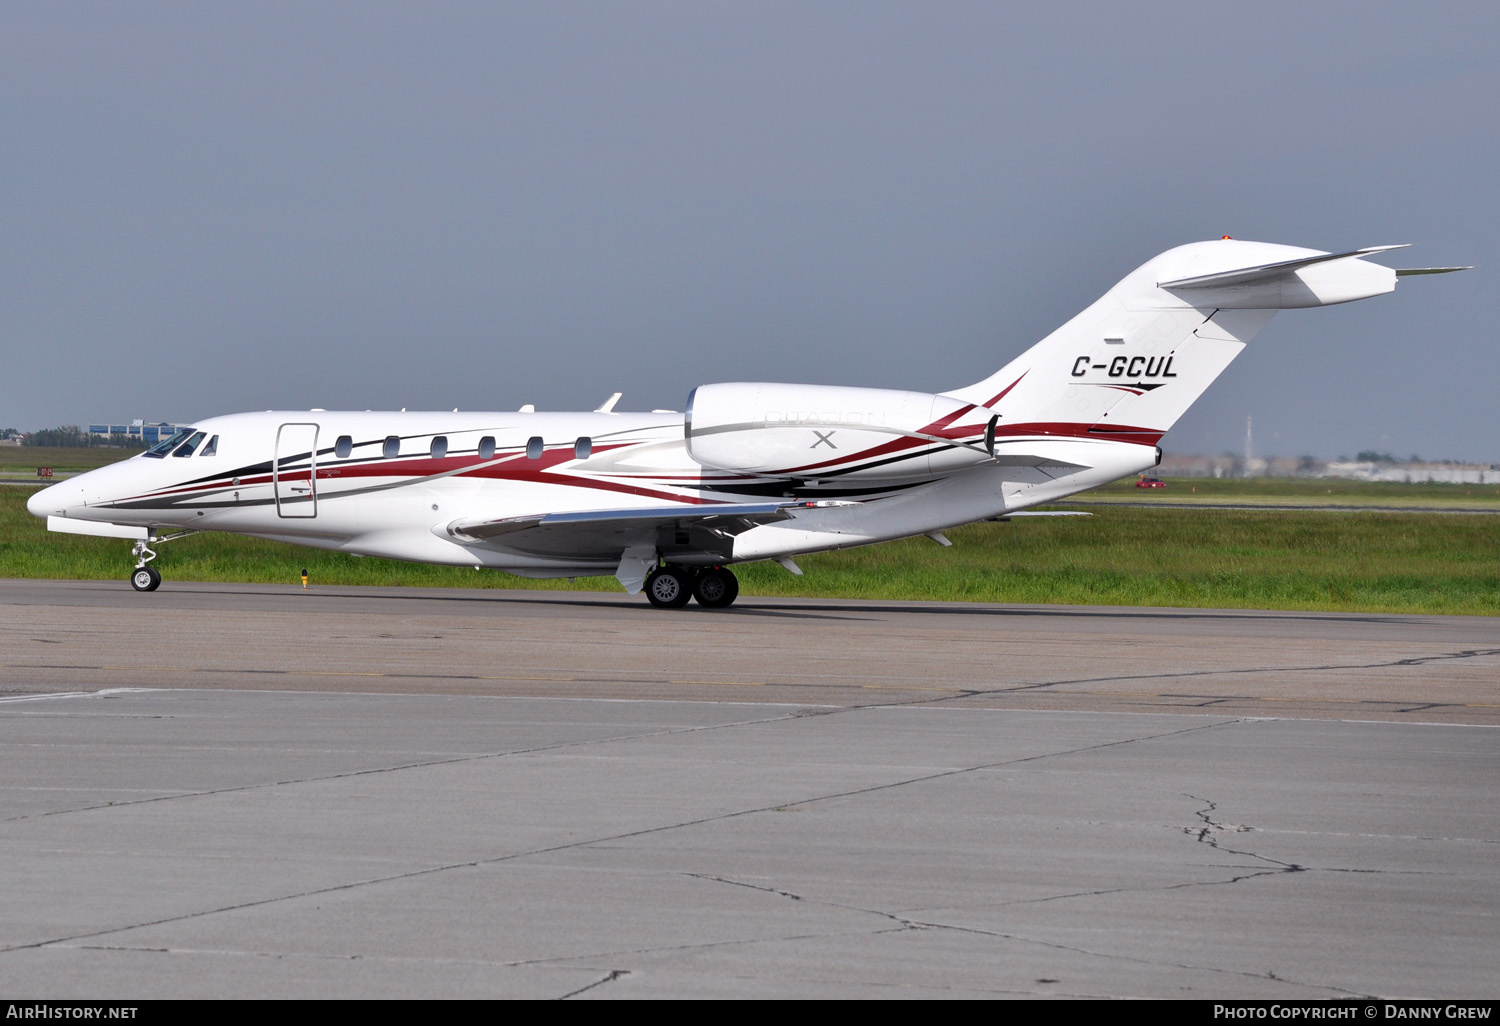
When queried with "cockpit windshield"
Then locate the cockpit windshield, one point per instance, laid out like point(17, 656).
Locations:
point(166, 445)
point(186, 448)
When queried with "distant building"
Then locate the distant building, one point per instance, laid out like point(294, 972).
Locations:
point(1410, 472)
point(136, 430)
point(1416, 472)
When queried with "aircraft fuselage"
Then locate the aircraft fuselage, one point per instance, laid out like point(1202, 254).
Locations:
point(391, 484)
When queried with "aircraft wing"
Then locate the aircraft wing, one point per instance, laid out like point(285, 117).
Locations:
point(602, 533)
point(627, 537)
point(582, 526)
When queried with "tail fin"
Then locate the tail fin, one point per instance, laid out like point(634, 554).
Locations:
point(1132, 363)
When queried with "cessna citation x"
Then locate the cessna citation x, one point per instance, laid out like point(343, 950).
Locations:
point(753, 471)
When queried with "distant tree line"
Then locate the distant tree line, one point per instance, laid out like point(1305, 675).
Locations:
point(74, 437)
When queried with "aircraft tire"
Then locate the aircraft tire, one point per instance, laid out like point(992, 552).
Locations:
point(668, 587)
point(716, 588)
point(145, 578)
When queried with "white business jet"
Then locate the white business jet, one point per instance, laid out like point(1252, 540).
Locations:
point(753, 471)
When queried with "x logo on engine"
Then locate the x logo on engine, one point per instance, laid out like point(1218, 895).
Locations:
point(823, 440)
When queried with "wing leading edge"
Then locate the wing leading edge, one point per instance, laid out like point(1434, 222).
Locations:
point(581, 524)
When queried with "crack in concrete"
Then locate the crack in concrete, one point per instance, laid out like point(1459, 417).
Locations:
point(903, 923)
point(740, 883)
point(1055, 945)
point(316, 956)
point(562, 961)
point(1469, 653)
point(1205, 835)
point(610, 977)
point(908, 923)
point(421, 764)
point(959, 693)
point(941, 774)
point(626, 835)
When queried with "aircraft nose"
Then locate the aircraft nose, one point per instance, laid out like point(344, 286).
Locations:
point(55, 500)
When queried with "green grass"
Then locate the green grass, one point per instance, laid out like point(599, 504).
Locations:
point(23, 460)
point(1365, 562)
point(1371, 562)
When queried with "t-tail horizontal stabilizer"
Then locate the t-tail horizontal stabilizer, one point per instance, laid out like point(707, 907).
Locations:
point(1260, 274)
point(1130, 365)
point(1306, 280)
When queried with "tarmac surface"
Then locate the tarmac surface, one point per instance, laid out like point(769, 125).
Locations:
point(238, 791)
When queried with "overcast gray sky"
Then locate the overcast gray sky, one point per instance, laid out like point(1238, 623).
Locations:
point(209, 208)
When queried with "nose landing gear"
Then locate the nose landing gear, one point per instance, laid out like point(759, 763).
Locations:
point(670, 587)
point(143, 577)
point(148, 578)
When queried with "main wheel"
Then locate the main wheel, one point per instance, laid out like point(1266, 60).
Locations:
point(668, 587)
point(145, 578)
point(716, 587)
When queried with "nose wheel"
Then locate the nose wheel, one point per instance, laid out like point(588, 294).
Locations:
point(143, 577)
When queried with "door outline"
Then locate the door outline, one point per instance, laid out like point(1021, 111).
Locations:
point(296, 497)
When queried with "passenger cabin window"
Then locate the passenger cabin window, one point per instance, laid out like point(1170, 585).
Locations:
point(212, 447)
point(186, 448)
point(166, 445)
point(534, 447)
point(487, 447)
point(343, 447)
point(582, 448)
point(439, 447)
point(392, 447)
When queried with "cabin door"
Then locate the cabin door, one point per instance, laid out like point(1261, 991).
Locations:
point(294, 472)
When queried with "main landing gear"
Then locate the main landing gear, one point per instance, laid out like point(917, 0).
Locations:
point(670, 587)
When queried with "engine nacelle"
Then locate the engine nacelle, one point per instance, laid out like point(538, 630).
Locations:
point(813, 431)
